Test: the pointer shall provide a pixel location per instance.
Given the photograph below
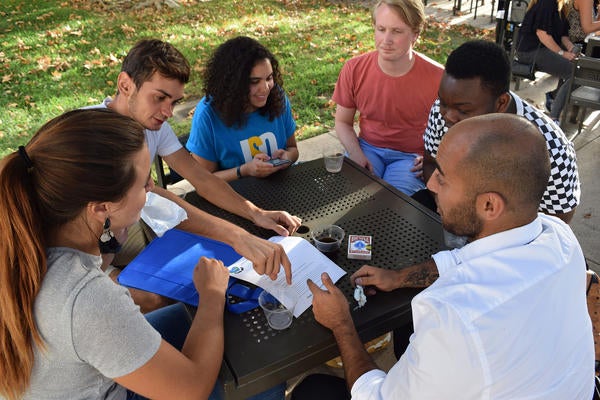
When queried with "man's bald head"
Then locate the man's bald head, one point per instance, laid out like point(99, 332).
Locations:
point(501, 153)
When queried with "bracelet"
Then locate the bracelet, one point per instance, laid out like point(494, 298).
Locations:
point(238, 171)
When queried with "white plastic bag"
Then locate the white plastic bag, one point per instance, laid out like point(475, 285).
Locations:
point(161, 214)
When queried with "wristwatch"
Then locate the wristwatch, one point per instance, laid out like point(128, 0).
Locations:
point(561, 52)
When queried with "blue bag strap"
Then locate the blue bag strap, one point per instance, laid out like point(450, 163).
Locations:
point(247, 297)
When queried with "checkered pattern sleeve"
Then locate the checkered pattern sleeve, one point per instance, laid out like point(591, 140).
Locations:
point(436, 128)
point(563, 191)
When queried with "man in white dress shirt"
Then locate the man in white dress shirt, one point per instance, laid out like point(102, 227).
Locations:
point(503, 317)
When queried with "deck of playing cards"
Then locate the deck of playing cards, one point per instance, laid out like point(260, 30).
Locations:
point(359, 247)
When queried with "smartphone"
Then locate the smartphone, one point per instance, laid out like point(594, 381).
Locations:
point(276, 162)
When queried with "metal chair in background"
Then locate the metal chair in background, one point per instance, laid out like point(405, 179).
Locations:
point(518, 8)
point(507, 18)
point(166, 176)
point(163, 177)
point(584, 89)
point(507, 35)
point(519, 69)
point(592, 48)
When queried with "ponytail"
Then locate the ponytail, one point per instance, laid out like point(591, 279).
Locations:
point(22, 268)
point(79, 157)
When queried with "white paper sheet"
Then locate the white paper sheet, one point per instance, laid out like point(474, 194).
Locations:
point(307, 263)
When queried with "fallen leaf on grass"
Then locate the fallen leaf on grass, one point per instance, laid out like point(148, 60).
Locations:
point(44, 63)
point(128, 30)
point(113, 60)
point(22, 46)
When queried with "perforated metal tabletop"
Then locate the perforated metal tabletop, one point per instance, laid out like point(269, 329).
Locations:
point(404, 233)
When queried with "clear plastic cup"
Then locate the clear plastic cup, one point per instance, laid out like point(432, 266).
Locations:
point(327, 238)
point(278, 316)
point(334, 162)
point(333, 156)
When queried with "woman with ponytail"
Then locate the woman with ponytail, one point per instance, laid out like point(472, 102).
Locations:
point(66, 330)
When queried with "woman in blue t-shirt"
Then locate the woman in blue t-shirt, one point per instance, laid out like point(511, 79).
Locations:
point(244, 124)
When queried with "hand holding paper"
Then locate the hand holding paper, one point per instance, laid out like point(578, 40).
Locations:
point(307, 263)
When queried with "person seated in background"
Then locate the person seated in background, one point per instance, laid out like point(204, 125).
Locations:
point(583, 20)
point(150, 84)
point(505, 316)
point(476, 82)
point(245, 118)
point(544, 37)
point(392, 89)
point(67, 330)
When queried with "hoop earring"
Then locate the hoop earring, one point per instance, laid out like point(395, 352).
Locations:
point(107, 242)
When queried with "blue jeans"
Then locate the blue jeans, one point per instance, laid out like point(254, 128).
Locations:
point(173, 323)
point(394, 167)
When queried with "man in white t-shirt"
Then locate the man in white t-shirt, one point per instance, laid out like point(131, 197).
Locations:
point(503, 317)
point(151, 83)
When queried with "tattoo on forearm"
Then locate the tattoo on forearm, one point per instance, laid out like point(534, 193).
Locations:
point(421, 278)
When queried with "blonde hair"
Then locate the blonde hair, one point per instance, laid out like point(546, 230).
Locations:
point(411, 12)
point(562, 9)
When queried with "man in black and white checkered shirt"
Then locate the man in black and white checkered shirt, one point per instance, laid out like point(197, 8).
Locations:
point(475, 82)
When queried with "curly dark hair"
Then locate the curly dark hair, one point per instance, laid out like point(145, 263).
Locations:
point(481, 59)
point(226, 80)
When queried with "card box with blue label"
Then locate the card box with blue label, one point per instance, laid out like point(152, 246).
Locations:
point(359, 247)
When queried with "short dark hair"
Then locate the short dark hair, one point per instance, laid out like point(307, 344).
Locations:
point(481, 59)
point(152, 55)
point(227, 80)
point(496, 161)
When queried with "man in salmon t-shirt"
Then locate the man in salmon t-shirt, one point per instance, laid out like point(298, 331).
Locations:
point(392, 88)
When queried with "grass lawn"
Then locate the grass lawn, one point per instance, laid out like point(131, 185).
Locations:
point(60, 55)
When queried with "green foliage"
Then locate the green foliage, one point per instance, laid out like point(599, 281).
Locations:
point(60, 55)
